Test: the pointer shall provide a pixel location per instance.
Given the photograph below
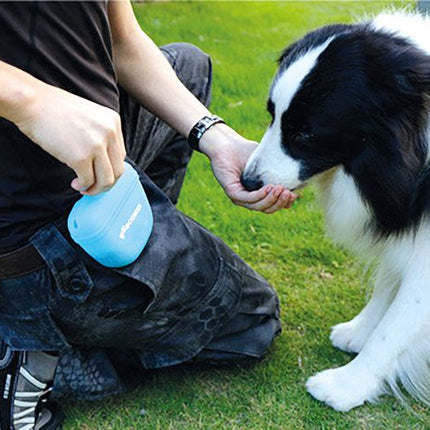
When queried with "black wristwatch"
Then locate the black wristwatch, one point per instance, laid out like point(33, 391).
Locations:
point(200, 128)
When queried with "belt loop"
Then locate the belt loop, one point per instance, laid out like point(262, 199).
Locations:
point(68, 270)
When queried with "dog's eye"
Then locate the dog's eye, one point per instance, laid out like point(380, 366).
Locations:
point(302, 138)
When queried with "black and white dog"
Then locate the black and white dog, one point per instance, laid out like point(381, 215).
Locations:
point(351, 110)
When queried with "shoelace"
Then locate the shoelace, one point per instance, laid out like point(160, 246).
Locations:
point(25, 419)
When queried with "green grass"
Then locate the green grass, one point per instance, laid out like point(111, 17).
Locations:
point(319, 284)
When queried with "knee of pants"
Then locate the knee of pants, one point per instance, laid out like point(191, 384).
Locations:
point(192, 66)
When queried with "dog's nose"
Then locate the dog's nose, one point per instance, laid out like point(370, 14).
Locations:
point(251, 183)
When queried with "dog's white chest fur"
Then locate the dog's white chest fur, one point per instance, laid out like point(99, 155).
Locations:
point(347, 217)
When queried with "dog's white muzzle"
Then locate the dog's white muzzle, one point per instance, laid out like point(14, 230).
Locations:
point(270, 164)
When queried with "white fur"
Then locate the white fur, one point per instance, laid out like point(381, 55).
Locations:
point(386, 332)
point(274, 161)
point(347, 216)
point(287, 85)
point(411, 26)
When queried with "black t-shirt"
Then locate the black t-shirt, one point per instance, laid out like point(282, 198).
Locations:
point(68, 45)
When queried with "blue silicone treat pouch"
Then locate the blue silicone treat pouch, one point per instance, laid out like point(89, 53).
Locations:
point(113, 227)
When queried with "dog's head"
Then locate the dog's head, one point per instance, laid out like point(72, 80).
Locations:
point(343, 95)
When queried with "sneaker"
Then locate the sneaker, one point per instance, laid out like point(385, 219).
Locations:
point(25, 384)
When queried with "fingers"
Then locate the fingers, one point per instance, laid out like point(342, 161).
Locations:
point(102, 172)
point(104, 176)
point(85, 176)
point(284, 201)
point(274, 198)
point(241, 197)
point(116, 153)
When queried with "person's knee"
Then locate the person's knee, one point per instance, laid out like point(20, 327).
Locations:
point(186, 57)
point(193, 67)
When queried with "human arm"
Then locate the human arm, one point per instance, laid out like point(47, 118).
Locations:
point(143, 72)
point(82, 134)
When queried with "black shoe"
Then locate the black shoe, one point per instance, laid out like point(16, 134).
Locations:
point(25, 384)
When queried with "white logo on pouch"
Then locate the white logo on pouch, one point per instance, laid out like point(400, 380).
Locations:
point(130, 221)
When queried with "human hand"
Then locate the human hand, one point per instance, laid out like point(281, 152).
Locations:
point(82, 134)
point(229, 152)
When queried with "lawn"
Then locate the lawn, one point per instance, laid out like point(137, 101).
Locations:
point(319, 284)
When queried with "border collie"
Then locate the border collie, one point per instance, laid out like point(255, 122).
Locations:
point(350, 107)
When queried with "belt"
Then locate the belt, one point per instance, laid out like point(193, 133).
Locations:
point(20, 262)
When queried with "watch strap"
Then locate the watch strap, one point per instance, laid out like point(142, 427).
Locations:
point(200, 128)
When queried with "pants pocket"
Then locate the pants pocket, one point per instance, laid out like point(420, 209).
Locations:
point(71, 277)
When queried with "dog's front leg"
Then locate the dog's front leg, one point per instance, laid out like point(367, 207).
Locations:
point(363, 379)
point(352, 335)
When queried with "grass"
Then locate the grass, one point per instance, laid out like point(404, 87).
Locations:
point(319, 284)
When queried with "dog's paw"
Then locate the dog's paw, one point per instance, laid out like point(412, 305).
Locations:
point(343, 389)
point(350, 336)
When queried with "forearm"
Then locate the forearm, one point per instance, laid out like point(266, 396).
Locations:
point(144, 73)
point(18, 94)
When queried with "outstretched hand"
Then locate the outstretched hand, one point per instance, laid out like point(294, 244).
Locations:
point(229, 152)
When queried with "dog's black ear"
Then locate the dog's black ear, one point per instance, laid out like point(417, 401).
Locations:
point(398, 80)
point(395, 65)
point(415, 78)
point(396, 105)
